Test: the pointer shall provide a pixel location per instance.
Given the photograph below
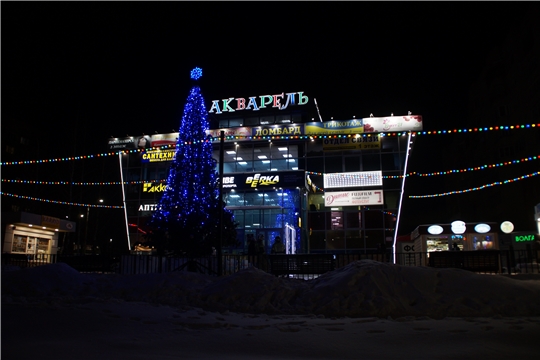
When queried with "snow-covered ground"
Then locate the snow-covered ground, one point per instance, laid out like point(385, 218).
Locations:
point(366, 310)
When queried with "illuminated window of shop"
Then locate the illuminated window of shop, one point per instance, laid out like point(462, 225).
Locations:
point(317, 200)
point(253, 199)
point(482, 242)
point(43, 245)
point(235, 199)
point(272, 218)
point(273, 198)
point(19, 244)
point(236, 122)
point(262, 165)
point(281, 165)
point(437, 243)
point(240, 218)
point(252, 218)
point(228, 167)
point(458, 240)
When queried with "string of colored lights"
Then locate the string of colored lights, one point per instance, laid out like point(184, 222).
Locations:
point(476, 168)
point(278, 137)
point(482, 167)
point(61, 202)
point(34, 182)
point(476, 188)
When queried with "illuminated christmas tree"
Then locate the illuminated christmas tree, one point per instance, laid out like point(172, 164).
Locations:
point(188, 214)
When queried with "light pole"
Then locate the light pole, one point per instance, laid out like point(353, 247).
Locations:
point(94, 246)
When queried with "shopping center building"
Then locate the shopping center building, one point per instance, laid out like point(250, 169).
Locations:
point(322, 186)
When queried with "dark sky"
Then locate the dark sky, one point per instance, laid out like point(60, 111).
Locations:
point(76, 73)
point(95, 69)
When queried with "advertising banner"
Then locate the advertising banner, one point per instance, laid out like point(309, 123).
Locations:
point(50, 221)
point(154, 187)
point(353, 198)
point(264, 180)
point(158, 155)
point(352, 179)
point(352, 143)
point(164, 139)
point(353, 126)
point(142, 142)
point(238, 131)
point(393, 124)
point(277, 130)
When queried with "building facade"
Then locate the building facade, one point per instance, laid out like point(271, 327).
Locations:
point(321, 186)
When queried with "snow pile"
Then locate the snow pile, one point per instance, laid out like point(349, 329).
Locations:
point(362, 289)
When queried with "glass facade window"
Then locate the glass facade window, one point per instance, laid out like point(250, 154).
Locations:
point(335, 240)
point(352, 163)
point(269, 210)
point(371, 161)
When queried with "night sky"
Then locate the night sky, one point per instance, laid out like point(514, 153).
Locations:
point(76, 73)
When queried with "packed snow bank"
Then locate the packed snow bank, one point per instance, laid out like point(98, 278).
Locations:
point(362, 289)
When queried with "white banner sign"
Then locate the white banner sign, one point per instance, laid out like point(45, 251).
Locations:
point(393, 124)
point(352, 179)
point(353, 198)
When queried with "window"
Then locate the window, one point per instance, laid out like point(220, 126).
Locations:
point(267, 120)
point(332, 164)
point(236, 122)
point(19, 244)
point(43, 245)
point(317, 240)
point(371, 162)
point(352, 163)
point(335, 239)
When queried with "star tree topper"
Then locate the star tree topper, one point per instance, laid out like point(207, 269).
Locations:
point(196, 73)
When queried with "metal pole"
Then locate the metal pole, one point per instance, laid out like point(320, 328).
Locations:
point(221, 208)
point(124, 199)
point(407, 154)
